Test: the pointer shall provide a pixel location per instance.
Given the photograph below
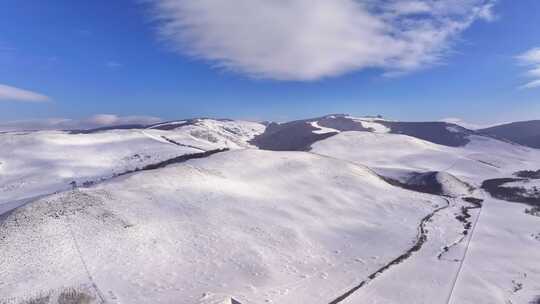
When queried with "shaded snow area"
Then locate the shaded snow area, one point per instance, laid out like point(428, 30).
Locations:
point(452, 186)
point(191, 212)
point(224, 225)
point(322, 130)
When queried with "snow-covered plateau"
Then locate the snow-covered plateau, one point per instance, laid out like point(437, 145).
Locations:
point(202, 211)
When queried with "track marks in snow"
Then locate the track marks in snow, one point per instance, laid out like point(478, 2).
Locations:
point(420, 240)
point(464, 218)
point(85, 266)
point(478, 205)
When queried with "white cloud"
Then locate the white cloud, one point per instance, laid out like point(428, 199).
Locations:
point(96, 121)
point(531, 59)
point(10, 93)
point(313, 39)
point(531, 84)
point(113, 64)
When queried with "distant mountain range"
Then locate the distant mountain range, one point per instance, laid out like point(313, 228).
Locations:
point(298, 135)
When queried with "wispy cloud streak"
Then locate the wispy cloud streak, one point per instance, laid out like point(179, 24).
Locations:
point(9, 93)
point(96, 121)
point(531, 59)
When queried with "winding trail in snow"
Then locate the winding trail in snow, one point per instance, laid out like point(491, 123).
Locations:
point(467, 225)
point(454, 283)
point(420, 240)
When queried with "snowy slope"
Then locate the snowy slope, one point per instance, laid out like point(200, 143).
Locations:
point(496, 265)
point(320, 226)
point(258, 226)
point(41, 162)
point(203, 132)
point(36, 163)
point(480, 159)
point(502, 264)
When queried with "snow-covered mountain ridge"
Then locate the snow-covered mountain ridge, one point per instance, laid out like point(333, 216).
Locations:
point(338, 209)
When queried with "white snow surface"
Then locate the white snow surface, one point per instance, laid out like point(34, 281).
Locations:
point(481, 159)
point(321, 129)
point(502, 264)
point(220, 225)
point(453, 129)
point(497, 264)
point(452, 186)
point(37, 163)
point(260, 226)
point(372, 123)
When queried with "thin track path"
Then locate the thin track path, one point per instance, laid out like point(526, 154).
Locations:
point(462, 262)
point(421, 238)
point(83, 262)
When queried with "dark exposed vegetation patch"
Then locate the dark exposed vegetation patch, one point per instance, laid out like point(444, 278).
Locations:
point(162, 164)
point(464, 217)
point(102, 129)
point(79, 295)
point(291, 136)
point(419, 182)
point(176, 160)
point(473, 200)
point(528, 174)
point(174, 142)
point(516, 286)
point(435, 132)
point(535, 300)
point(487, 163)
point(341, 122)
point(74, 296)
point(525, 133)
point(495, 187)
point(298, 135)
point(167, 126)
point(42, 299)
point(534, 211)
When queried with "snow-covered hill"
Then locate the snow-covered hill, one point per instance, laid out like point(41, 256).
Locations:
point(495, 259)
point(339, 209)
point(37, 163)
point(259, 226)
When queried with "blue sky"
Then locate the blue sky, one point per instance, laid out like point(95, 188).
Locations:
point(130, 58)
